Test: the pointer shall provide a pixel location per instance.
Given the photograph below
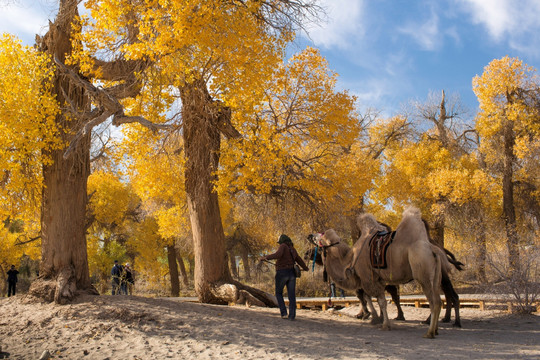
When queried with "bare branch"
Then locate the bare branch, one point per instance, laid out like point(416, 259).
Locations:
point(109, 106)
point(120, 119)
point(19, 242)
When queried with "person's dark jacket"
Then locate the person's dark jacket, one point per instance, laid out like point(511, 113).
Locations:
point(116, 273)
point(12, 275)
point(286, 256)
point(129, 276)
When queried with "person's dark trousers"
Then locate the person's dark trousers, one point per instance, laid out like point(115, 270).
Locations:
point(286, 277)
point(11, 288)
point(115, 288)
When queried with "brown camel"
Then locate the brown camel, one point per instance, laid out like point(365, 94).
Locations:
point(409, 257)
point(452, 298)
point(364, 313)
point(448, 262)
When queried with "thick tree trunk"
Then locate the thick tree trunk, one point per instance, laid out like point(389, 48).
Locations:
point(173, 271)
point(64, 263)
point(191, 272)
point(203, 122)
point(182, 267)
point(482, 252)
point(3, 279)
point(202, 143)
point(508, 197)
point(438, 230)
point(245, 261)
point(232, 265)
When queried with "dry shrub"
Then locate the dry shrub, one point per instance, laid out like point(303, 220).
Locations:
point(521, 285)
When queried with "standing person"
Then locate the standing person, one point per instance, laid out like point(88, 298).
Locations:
point(286, 256)
point(129, 279)
point(116, 274)
point(12, 280)
point(123, 283)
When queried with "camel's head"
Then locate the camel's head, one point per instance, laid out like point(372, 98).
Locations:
point(325, 239)
point(315, 238)
point(313, 255)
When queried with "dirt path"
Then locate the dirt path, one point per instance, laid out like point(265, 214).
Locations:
point(124, 327)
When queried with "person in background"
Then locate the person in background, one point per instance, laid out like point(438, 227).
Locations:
point(12, 280)
point(286, 256)
point(129, 280)
point(116, 274)
point(333, 291)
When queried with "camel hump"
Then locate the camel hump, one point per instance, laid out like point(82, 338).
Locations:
point(412, 211)
point(332, 236)
point(366, 221)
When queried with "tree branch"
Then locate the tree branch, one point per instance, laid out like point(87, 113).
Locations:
point(108, 106)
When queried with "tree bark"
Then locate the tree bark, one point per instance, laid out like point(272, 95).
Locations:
point(438, 230)
point(482, 251)
point(3, 279)
point(232, 265)
point(203, 122)
point(64, 263)
point(245, 261)
point(173, 271)
point(202, 143)
point(182, 267)
point(508, 196)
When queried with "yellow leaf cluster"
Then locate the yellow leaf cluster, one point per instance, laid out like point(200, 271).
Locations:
point(13, 246)
point(27, 126)
point(500, 91)
point(213, 39)
point(110, 198)
point(507, 92)
point(300, 138)
point(427, 174)
point(151, 259)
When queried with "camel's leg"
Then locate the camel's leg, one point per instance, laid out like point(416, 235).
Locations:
point(394, 292)
point(448, 309)
point(381, 299)
point(431, 284)
point(364, 312)
point(375, 318)
point(452, 299)
point(435, 310)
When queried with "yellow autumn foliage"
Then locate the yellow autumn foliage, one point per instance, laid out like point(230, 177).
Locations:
point(508, 94)
point(501, 91)
point(300, 139)
point(27, 110)
point(110, 198)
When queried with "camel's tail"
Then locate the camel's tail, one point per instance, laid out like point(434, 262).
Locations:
point(449, 255)
point(452, 259)
point(437, 275)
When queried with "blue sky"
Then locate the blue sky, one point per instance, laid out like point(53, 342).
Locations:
point(387, 52)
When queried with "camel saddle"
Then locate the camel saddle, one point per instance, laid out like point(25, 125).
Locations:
point(378, 246)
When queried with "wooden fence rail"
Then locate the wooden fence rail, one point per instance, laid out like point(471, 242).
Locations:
point(480, 302)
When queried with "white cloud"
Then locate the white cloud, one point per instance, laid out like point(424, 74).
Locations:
point(508, 20)
point(495, 15)
point(379, 93)
point(426, 34)
point(343, 25)
point(25, 19)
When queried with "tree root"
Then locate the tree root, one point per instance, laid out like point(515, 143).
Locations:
point(234, 292)
point(61, 290)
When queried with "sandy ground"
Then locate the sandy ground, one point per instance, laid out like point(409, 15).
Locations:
point(131, 327)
